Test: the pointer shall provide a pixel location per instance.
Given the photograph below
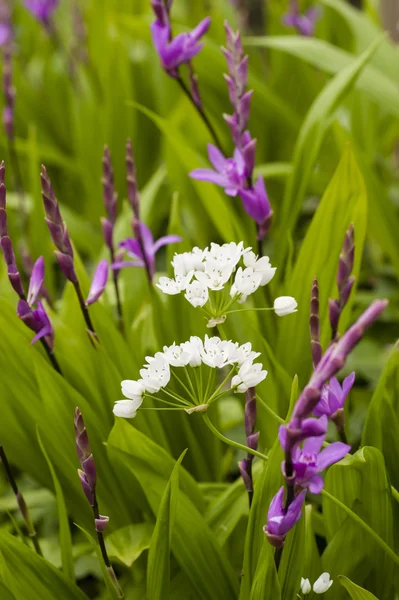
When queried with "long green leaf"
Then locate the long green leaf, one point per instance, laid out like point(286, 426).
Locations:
point(355, 591)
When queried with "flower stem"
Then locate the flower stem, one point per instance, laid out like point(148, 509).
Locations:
point(89, 324)
point(364, 525)
point(221, 386)
point(270, 411)
point(104, 554)
point(51, 356)
point(193, 398)
point(201, 113)
point(247, 309)
point(231, 442)
point(21, 502)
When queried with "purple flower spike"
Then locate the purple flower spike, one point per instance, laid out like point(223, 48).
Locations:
point(144, 254)
point(333, 396)
point(297, 431)
point(256, 204)
point(180, 50)
point(42, 10)
point(99, 282)
point(110, 200)
point(37, 320)
point(309, 462)
point(84, 451)
point(280, 521)
point(36, 281)
point(6, 30)
point(303, 23)
point(229, 173)
point(9, 94)
point(88, 492)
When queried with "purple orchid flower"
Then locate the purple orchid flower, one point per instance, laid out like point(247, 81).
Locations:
point(37, 320)
point(144, 255)
point(42, 10)
point(333, 396)
point(294, 433)
point(280, 521)
point(308, 462)
point(229, 173)
point(98, 283)
point(36, 281)
point(257, 206)
point(303, 23)
point(180, 50)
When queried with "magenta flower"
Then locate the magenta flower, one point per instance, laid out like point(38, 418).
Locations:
point(42, 10)
point(229, 173)
point(180, 50)
point(298, 430)
point(333, 396)
point(257, 206)
point(144, 255)
point(98, 283)
point(303, 23)
point(36, 281)
point(37, 320)
point(280, 521)
point(308, 462)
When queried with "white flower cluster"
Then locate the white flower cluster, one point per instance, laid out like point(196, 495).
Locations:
point(213, 351)
point(199, 271)
point(321, 585)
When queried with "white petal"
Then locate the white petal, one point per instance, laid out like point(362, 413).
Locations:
point(126, 408)
point(285, 305)
point(306, 587)
point(322, 584)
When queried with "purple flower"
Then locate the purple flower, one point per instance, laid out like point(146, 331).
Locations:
point(257, 206)
point(180, 50)
point(42, 9)
point(280, 521)
point(308, 462)
point(36, 281)
point(98, 283)
point(229, 173)
point(333, 396)
point(305, 23)
point(37, 320)
point(144, 255)
point(297, 431)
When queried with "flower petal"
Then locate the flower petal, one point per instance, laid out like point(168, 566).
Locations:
point(332, 454)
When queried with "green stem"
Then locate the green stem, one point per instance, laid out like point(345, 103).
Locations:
point(162, 400)
point(226, 440)
point(395, 493)
point(193, 398)
point(221, 386)
point(270, 411)
point(365, 526)
point(230, 312)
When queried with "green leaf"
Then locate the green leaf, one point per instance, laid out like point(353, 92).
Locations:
point(158, 568)
point(266, 583)
point(128, 543)
point(344, 201)
point(293, 559)
point(194, 545)
point(26, 575)
point(64, 530)
point(355, 591)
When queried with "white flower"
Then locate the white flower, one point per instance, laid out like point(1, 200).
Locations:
point(214, 277)
point(244, 353)
point(174, 286)
point(187, 262)
point(247, 281)
point(194, 347)
point(322, 584)
point(133, 389)
point(248, 376)
point(213, 353)
point(157, 374)
point(228, 254)
point(197, 293)
point(234, 292)
point(306, 588)
point(285, 305)
point(126, 408)
point(176, 355)
point(261, 265)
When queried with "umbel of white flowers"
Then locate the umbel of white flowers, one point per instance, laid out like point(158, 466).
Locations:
point(206, 275)
point(320, 586)
point(195, 385)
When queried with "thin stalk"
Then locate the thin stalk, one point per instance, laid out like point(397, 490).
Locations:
point(270, 411)
point(230, 312)
point(115, 276)
point(51, 356)
point(177, 396)
point(21, 502)
point(162, 400)
point(18, 184)
point(230, 442)
point(208, 385)
point(221, 386)
point(86, 315)
point(193, 398)
point(104, 554)
point(260, 245)
point(190, 383)
point(342, 435)
point(201, 113)
point(364, 525)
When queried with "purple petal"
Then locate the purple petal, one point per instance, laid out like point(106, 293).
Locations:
point(294, 512)
point(315, 484)
point(116, 266)
point(276, 505)
point(201, 29)
point(348, 383)
point(164, 241)
point(314, 427)
point(99, 282)
point(216, 158)
point(36, 281)
point(335, 387)
point(46, 328)
point(160, 37)
point(332, 454)
point(132, 247)
point(312, 445)
point(147, 239)
point(209, 176)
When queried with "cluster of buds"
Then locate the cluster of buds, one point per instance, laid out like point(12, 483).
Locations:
point(303, 437)
point(252, 439)
point(345, 280)
point(235, 174)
